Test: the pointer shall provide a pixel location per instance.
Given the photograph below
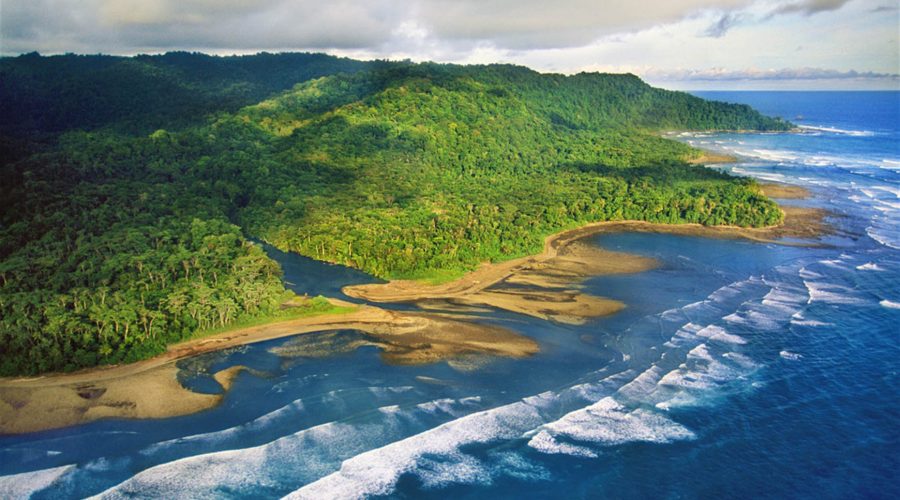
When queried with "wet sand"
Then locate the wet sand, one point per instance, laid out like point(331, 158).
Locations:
point(150, 388)
point(784, 191)
point(153, 393)
point(547, 285)
point(711, 158)
point(544, 286)
point(414, 339)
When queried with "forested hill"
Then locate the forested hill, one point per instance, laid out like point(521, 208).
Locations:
point(143, 93)
point(126, 229)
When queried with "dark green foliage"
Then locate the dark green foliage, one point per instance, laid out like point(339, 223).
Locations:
point(119, 230)
point(105, 264)
point(144, 93)
point(450, 166)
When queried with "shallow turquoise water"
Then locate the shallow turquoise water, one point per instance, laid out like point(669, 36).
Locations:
point(738, 369)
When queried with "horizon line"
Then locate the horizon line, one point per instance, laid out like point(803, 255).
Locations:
point(678, 85)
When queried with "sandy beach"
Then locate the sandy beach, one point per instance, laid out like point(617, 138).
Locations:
point(784, 191)
point(150, 389)
point(552, 276)
point(711, 158)
point(545, 286)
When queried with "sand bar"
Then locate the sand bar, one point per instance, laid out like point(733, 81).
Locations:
point(554, 274)
point(543, 286)
point(150, 388)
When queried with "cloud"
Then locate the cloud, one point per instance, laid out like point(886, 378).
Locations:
point(809, 7)
point(128, 25)
point(730, 19)
point(565, 36)
point(723, 24)
point(885, 8)
point(529, 24)
point(126, 12)
point(751, 74)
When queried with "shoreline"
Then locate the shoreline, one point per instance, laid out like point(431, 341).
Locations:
point(545, 269)
point(545, 285)
point(150, 388)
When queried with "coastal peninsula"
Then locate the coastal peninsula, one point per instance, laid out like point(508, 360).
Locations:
point(150, 389)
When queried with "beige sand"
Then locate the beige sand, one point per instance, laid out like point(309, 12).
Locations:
point(417, 339)
point(153, 393)
point(552, 281)
point(784, 191)
point(554, 274)
point(150, 389)
point(711, 158)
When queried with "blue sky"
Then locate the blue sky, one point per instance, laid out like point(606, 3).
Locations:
point(683, 44)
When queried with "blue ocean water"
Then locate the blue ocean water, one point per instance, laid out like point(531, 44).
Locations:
point(738, 370)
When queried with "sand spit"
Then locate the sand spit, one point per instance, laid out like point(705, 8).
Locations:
point(153, 393)
point(546, 285)
point(150, 388)
point(413, 339)
point(712, 158)
point(784, 191)
point(799, 223)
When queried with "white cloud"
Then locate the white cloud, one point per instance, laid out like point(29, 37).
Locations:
point(721, 74)
point(564, 36)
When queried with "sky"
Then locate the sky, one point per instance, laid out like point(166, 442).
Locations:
point(679, 44)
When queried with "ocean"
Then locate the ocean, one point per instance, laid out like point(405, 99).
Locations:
point(737, 370)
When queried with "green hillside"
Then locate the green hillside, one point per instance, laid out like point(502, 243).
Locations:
point(139, 94)
point(122, 231)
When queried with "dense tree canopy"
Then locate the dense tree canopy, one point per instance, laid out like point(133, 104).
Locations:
point(131, 185)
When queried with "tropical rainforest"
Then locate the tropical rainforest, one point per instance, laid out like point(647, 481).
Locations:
point(135, 189)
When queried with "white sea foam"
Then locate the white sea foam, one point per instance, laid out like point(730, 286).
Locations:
point(831, 293)
point(435, 455)
point(869, 266)
point(700, 352)
point(890, 164)
point(719, 334)
point(25, 484)
point(687, 332)
point(609, 423)
point(809, 322)
point(733, 289)
point(836, 263)
point(753, 319)
point(375, 472)
point(702, 376)
point(513, 464)
point(642, 385)
point(294, 459)
point(544, 442)
point(390, 391)
point(290, 410)
point(454, 467)
point(286, 413)
point(790, 355)
point(450, 406)
point(887, 237)
point(784, 295)
point(765, 176)
point(890, 304)
point(772, 155)
point(741, 360)
point(834, 130)
point(244, 469)
point(809, 275)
